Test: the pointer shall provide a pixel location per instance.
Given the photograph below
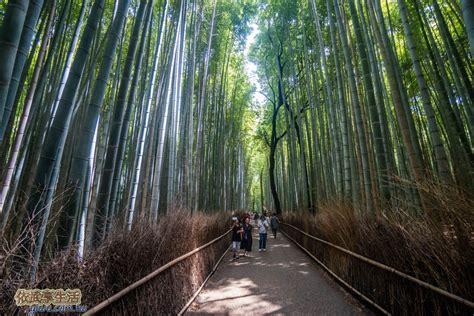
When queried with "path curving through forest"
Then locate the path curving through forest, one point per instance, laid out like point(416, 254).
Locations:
point(282, 280)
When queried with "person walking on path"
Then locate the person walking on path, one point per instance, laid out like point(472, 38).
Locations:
point(247, 237)
point(274, 223)
point(262, 232)
point(237, 233)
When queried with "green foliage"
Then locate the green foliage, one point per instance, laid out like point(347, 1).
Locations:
point(319, 155)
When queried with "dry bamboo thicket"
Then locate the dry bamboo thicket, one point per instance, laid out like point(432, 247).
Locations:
point(148, 278)
point(436, 300)
point(128, 256)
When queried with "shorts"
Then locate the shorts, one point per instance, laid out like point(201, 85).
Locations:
point(235, 245)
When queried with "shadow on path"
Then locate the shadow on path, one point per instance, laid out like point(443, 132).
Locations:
point(282, 280)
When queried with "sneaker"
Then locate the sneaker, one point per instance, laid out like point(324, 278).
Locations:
point(259, 250)
point(264, 249)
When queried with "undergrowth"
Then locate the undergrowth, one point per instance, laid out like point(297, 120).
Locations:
point(127, 256)
point(438, 251)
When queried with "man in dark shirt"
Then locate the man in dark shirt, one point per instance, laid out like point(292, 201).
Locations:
point(237, 232)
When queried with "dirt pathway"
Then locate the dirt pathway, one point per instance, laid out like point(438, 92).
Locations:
point(282, 280)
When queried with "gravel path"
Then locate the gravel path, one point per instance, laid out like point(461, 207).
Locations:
point(282, 280)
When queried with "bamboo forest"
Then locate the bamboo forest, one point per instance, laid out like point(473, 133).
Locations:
point(135, 133)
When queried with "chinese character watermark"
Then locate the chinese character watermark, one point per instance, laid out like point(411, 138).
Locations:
point(50, 301)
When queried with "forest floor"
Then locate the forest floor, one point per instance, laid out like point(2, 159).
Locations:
point(282, 280)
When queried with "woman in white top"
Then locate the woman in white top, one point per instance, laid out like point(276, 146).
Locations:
point(262, 232)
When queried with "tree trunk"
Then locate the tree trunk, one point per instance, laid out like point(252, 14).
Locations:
point(10, 35)
point(468, 14)
point(118, 117)
point(86, 134)
point(32, 16)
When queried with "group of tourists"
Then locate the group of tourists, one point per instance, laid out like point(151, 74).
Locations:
point(242, 232)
